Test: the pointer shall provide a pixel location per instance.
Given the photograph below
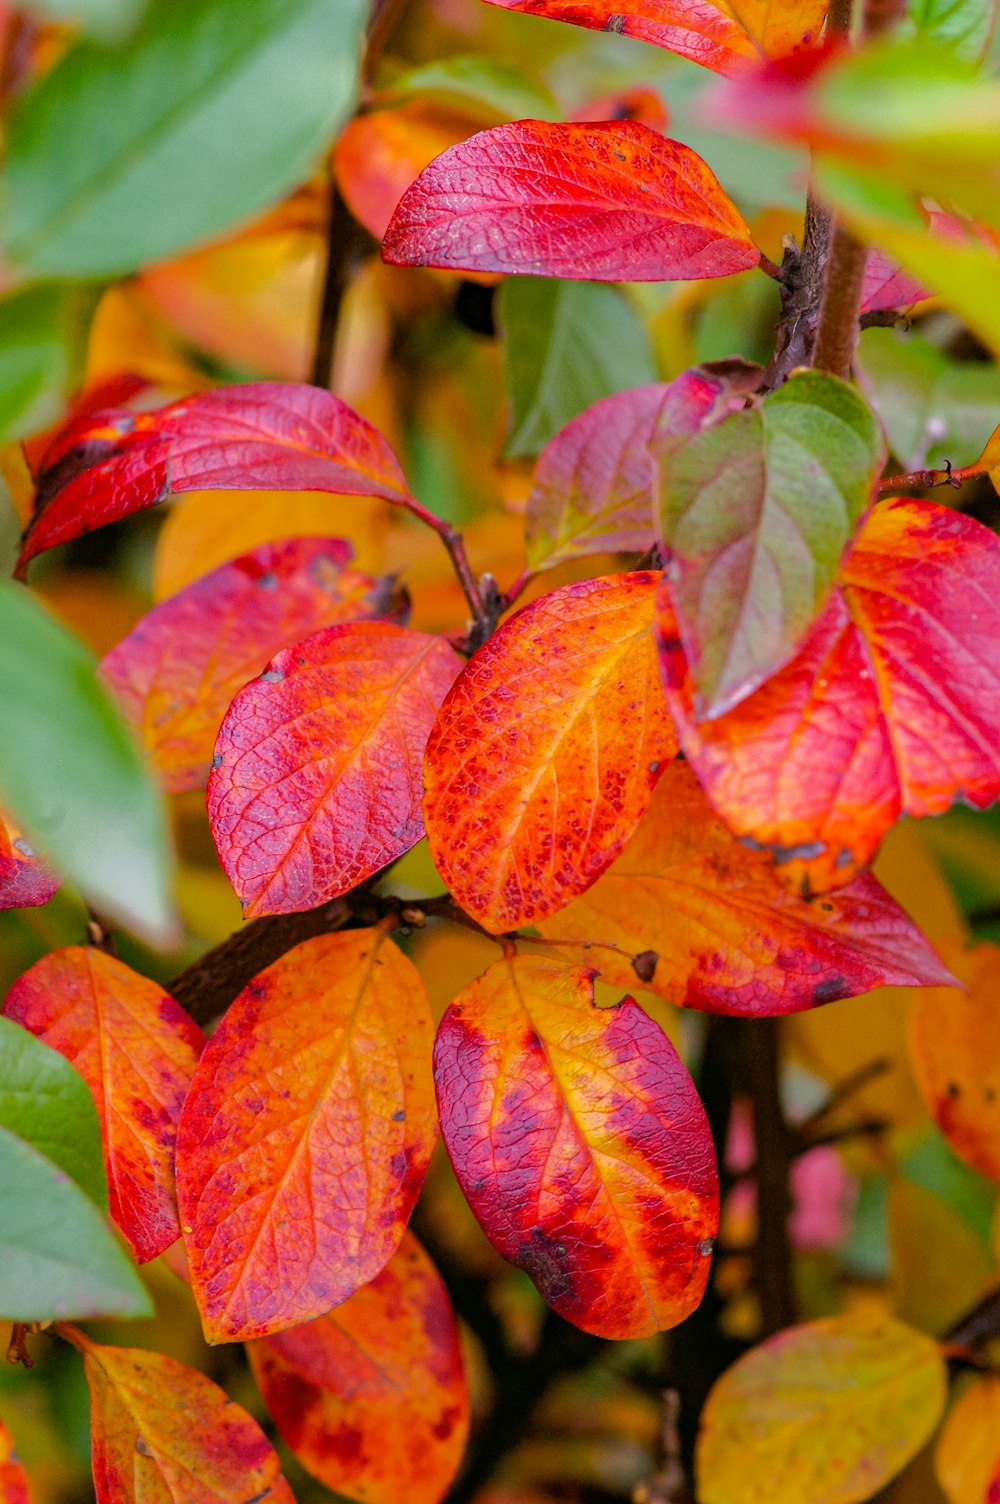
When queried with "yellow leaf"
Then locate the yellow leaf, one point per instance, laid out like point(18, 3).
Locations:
point(967, 1458)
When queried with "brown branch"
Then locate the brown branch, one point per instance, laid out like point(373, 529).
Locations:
point(344, 241)
point(773, 1154)
point(837, 325)
point(950, 475)
point(385, 17)
point(979, 1326)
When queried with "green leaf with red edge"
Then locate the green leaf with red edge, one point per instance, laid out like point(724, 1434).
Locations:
point(718, 35)
point(891, 704)
point(306, 1134)
point(828, 1412)
point(160, 1432)
point(372, 1398)
point(316, 779)
point(612, 201)
point(14, 1486)
point(137, 1050)
point(271, 436)
point(757, 511)
point(175, 675)
point(580, 1143)
point(593, 485)
point(546, 751)
point(25, 882)
point(723, 932)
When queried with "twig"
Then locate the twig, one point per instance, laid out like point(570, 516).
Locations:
point(979, 1326)
point(772, 1250)
point(837, 326)
point(385, 17)
point(344, 239)
point(844, 1089)
point(484, 615)
point(668, 1484)
point(950, 475)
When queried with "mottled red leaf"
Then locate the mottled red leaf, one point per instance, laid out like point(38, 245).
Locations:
point(25, 882)
point(610, 202)
point(717, 35)
point(316, 779)
point(891, 705)
point(723, 933)
point(372, 1399)
point(546, 751)
point(306, 1134)
point(271, 436)
point(137, 1050)
point(176, 673)
point(581, 1145)
point(886, 285)
point(593, 490)
point(161, 1433)
point(14, 1487)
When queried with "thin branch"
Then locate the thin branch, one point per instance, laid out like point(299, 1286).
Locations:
point(922, 480)
point(773, 1153)
point(837, 326)
point(979, 1326)
point(385, 17)
point(344, 240)
point(844, 1089)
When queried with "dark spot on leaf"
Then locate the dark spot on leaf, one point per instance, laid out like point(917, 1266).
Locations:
point(645, 964)
point(268, 580)
point(705, 1247)
point(654, 767)
point(217, 760)
point(142, 1446)
point(804, 851)
point(953, 1089)
point(615, 23)
point(399, 1117)
point(830, 990)
point(272, 676)
point(24, 847)
point(844, 858)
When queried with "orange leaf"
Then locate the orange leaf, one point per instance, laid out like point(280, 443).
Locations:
point(955, 1057)
point(723, 931)
point(378, 156)
point(967, 1457)
point(546, 752)
point(891, 705)
point(580, 1143)
point(176, 673)
point(306, 1134)
point(137, 1050)
point(372, 1399)
point(14, 1488)
point(316, 776)
point(24, 882)
point(162, 1433)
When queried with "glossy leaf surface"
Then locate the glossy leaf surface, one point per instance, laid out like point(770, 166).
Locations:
point(316, 780)
point(757, 511)
point(967, 1455)
point(955, 1057)
point(136, 1049)
point(892, 703)
point(161, 1432)
point(827, 1412)
point(372, 1398)
point(581, 1145)
point(593, 489)
point(268, 436)
point(612, 201)
point(14, 1486)
point(177, 673)
point(24, 881)
point(724, 933)
point(45, 1102)
point(546, 751)
point(718, 36)
point(306, 1134)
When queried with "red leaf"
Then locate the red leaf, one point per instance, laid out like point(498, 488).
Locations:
point(268, 437)
point(546, 751)
point(14, 1487)
point(306, 1134)
point(612, 202)
point(718, 36)
point(891, 705)
point(24, 882)
point(886, 285)
point(316, 780)
point(581, 1145)
point(723, 933)
point(372, 1399)
point(137, 1050)
point(176, 673)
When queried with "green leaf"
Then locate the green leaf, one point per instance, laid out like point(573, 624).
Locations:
point(480, 87)
point(757, 512)
point(105, 18)
point(965, 26)
point(46, 1102)
point(58, 1256)
point(565, 346)
point(934, 409)
point(42, 334)
point(213, 110)
point(72, 775)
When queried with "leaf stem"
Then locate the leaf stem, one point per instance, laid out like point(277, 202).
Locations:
point(923, 479)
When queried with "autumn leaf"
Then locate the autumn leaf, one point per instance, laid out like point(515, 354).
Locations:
point(886, 285)
point(717, 35)
point(828, 1412)
point(14, 1486)
point(161, 1432)
point(546, 751)
point(757, 511)
point(24, 881)
point(720, 932)
point(891, 704)
point(611, 201)
point(268, 436)
point(593, 484)
point(177, 672)
point(315, 783)
point(967, 1455)
point(136, 1049)
point(372, 1398)
point(954, 1045)
point(306, 1134)
point(581, 1145)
